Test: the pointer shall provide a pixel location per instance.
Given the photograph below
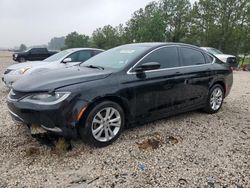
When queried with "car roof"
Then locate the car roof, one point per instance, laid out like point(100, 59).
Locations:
point(207, 48)
point(77, 49)
point(153, 45)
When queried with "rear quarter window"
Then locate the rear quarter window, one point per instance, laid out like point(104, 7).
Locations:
point(191, 56)
point(209, 58)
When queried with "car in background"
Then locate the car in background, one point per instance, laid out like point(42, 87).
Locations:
point(127, 85)
point(226, 58)
point(33, 54)
point(62, 59)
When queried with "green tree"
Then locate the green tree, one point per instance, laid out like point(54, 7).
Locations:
point(202, 28)
point(176, 16)
point(220, 24)
point(107, 37)
point(22, 47)
point(56, 43)
point(75, 40)
point(146, 25)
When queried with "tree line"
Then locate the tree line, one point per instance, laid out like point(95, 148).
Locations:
point(223, 24)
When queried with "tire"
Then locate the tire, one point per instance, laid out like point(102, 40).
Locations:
point(215, 99)
point(21, 59)
point(97, 126)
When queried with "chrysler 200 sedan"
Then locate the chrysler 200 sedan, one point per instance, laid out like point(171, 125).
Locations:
point(129, 84)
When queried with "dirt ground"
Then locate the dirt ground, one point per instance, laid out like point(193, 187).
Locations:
point(189, 150)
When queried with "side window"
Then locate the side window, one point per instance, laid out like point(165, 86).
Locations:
point(38, 51)
point(74, 57)
point(33, 51)
point(167, 57)
point(43, 51)
point(208, 58)
point(84, 55)
point(191, 57)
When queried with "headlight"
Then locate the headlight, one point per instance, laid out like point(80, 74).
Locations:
point(15, 55)
point(22, 71)
point(7, 71)
point(46, 98)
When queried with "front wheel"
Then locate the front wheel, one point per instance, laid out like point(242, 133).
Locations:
point(215, 99)
point(103, 124)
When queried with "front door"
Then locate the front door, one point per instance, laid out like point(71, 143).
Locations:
point(160, 90)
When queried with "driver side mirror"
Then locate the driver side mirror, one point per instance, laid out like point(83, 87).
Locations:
point(67, 60)
point(147, 66)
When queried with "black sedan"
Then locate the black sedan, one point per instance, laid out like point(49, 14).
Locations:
point(127, 85)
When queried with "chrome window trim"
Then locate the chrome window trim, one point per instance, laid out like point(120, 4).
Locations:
point(180, 67)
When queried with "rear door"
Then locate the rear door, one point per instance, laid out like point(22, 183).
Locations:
point(38, 54)
point(32, 54)
point(196, 73)
point(43, 53)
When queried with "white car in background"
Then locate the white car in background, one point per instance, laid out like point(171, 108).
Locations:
point(226, 58)
point(62, 59)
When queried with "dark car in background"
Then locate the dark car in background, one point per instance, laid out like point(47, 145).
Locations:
point(127, 85)
point(33, 54)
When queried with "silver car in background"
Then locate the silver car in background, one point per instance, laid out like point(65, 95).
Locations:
point(63, 59)
point(226, 58)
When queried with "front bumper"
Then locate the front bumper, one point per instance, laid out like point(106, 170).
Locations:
point(57, 119)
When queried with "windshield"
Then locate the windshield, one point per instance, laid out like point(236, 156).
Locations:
point(214, 51)
point(116, 58)
point(58, 56)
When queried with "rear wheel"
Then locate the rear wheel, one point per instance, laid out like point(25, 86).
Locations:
point(215, 99)
point(103, 124)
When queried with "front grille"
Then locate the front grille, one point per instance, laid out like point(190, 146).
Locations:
point(7, 71)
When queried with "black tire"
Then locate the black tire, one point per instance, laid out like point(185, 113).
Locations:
point(21, 59)
point(209, 109)
point(87, 124)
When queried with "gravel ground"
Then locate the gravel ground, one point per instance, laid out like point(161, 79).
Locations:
point(189, 150)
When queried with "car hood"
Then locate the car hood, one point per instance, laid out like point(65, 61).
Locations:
point(53, 79)
point(27, 64)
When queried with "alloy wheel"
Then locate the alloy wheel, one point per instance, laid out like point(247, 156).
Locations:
point(216, 98)
point(106, 124)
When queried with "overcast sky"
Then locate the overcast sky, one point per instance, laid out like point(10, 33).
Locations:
point(35, 22)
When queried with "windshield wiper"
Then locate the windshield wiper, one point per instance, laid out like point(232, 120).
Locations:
point(95, 67)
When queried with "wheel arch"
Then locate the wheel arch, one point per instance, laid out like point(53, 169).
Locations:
point(119, 100)
point(220, 82)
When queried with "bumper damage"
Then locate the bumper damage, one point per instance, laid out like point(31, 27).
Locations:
point(56, 120)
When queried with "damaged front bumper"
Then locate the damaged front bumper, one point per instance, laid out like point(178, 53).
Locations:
point(54, 120)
